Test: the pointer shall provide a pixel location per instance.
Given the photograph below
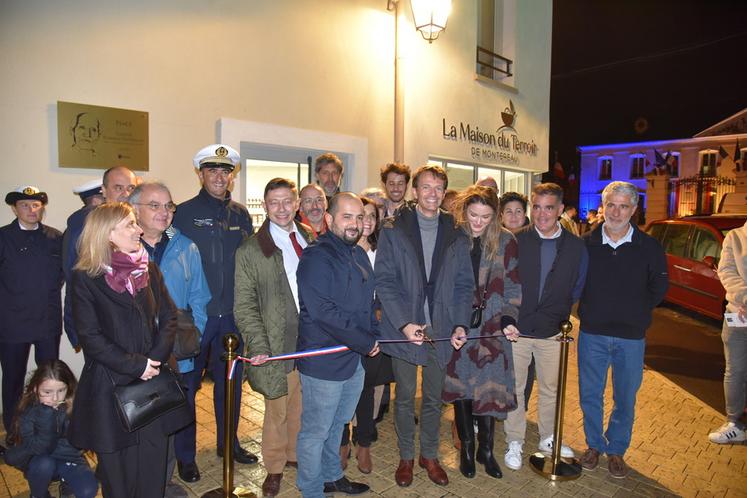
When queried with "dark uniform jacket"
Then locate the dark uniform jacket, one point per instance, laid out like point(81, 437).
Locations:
point(217, 228)
point(30, 283)
point(402, 286)
point(118, 334)
point(75, 223)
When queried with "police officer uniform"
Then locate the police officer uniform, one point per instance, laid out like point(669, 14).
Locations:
point(217, 227)
point(30, 298)
point(70, 238)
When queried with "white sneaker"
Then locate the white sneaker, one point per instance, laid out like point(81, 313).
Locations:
point(545, 446)
point(513, 455)
point(727, 433)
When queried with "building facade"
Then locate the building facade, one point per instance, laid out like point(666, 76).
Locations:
point(281, 82)
point(696, 172)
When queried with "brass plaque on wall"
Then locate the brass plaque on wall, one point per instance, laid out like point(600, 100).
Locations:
point(90, 136)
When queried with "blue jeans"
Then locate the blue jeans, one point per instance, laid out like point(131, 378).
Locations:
point(327, 406)
point(596, 353)
point(43, 469)
point(211, 347)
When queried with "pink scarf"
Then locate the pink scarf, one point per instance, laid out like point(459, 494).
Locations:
point(128, 271)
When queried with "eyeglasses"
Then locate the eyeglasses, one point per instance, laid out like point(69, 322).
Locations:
point(155, 206)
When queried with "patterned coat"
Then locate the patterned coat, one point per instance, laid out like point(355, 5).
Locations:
point(483, 369)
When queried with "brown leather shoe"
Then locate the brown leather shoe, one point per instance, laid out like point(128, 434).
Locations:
point(436, 473)
point(403, 476)
point(590, 459)
point(344, 455)
point(363, 455)
point(617, 466)
point(290, 463)
point(271, 486)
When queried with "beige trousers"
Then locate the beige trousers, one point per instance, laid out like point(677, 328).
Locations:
point(281, 425)
point(547, 359)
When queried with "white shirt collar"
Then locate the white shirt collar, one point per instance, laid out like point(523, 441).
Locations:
point(278, 232)
point(614, 245)
point(555, 235)
point(28, 229)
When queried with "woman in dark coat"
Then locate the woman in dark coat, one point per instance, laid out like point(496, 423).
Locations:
point(480, 376)
point(126, 324)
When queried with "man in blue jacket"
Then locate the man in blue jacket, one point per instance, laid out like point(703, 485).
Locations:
point(336, 294)
point(179, 261)
point(218, 226)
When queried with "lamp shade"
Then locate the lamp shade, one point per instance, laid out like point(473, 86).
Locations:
point(430, 17)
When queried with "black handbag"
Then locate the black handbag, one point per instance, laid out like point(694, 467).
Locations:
point(142, 401)
point(187, 340)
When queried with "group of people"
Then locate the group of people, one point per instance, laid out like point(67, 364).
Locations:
point(375, 287)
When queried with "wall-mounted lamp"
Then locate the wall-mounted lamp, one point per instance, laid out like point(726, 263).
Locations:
point(430, 16)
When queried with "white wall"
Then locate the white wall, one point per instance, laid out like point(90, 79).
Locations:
point(325, 66)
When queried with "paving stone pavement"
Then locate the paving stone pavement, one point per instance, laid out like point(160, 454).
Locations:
point(669, 455)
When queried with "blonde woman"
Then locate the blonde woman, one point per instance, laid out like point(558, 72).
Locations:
point(126, 323)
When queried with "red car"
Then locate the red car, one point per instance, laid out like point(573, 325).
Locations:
point(693, 247)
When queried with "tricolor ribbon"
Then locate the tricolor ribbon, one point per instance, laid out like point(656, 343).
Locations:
point(340, 349)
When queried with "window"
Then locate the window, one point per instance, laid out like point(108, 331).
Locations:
point(637, 166)
point(462, 175)
point(708, 163)
point(704, 244)
point(605, 168)
point(496, 21)
point(675, 240)
point(657, 231)
point(673, 164)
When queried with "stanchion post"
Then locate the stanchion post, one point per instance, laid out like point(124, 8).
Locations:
point(555, 467)
point(231, 344)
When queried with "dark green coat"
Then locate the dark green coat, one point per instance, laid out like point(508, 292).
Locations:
point(260, 303)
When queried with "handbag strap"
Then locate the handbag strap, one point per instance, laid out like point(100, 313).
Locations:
point(485, 288)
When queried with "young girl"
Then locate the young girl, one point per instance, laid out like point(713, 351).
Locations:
point(39, 446)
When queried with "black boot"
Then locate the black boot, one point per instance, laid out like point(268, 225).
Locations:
point(466, 431)
point(485, 428)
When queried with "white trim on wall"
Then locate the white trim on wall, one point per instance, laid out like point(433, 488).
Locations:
point(234, 131)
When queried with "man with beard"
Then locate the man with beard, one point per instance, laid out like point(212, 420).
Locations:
point(217, 225)
point(312, 208)
point(336, 294)
point(328, 171)
point(394, 177)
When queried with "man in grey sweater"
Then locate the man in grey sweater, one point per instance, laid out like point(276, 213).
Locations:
point(425, 283)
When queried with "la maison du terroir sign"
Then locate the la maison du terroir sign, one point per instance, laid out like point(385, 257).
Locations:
point(502, 146)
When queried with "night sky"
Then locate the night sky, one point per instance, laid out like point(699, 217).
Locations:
point(680, 65)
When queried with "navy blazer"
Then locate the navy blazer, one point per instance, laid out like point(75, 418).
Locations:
point(336, 294)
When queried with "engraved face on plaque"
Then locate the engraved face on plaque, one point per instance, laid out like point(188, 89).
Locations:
point(101, 137)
